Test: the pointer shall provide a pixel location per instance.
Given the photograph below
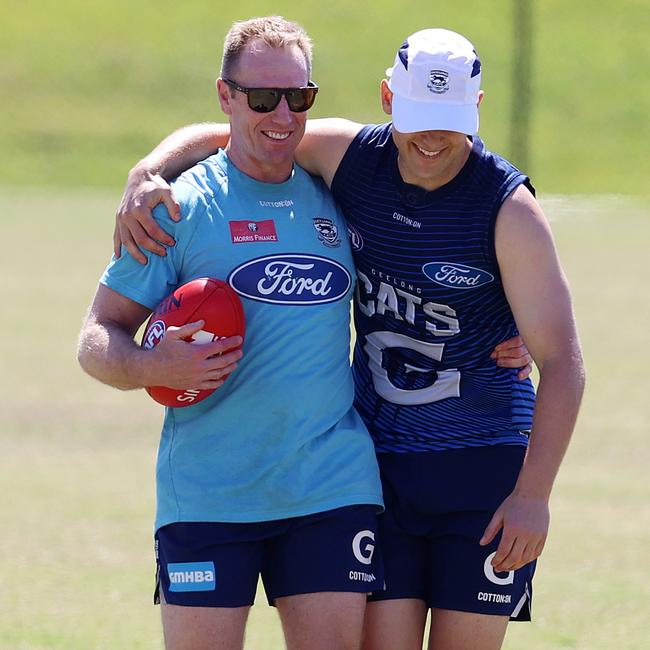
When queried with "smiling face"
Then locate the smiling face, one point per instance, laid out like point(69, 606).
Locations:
point(431, 159)
point(262, 145)
point(428, 159)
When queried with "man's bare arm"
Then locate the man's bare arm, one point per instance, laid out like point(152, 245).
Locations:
point(539, 297)
point(320, 153)
point(324, 144)
point(107, 351)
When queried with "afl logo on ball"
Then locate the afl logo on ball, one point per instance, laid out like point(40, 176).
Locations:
point(291, 280)
point(154, 334)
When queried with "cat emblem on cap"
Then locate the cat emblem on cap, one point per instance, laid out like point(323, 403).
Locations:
point(438, 81)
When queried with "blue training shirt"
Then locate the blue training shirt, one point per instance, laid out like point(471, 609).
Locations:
point(430, 306)
point(280, 438)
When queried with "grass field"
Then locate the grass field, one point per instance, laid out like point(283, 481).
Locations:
point(77, 458)
point(88, 88)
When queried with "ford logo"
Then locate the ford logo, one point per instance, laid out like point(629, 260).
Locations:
point(456, 276)
point(291, 280)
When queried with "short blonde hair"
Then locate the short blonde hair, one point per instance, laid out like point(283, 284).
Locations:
point(275, 31)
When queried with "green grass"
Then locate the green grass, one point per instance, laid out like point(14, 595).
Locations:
point(77, 461)
point(88, 88)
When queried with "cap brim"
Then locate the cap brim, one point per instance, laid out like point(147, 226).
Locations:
point(410, 116)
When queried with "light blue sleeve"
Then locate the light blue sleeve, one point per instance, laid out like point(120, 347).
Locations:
point(148, 284)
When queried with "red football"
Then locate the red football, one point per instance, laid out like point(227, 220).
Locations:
point(207, 299)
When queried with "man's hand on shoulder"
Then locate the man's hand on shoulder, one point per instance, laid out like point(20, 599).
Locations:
point(147, 187)
point(134, 223)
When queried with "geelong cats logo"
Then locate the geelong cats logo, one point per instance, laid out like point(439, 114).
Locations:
point(328, 233)
point(438, 81)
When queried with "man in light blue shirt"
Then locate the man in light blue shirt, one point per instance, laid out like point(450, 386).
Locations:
point(274, 473)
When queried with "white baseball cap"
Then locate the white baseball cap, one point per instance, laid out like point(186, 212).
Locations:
point(435, 82)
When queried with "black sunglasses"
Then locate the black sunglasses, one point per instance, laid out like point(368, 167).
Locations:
point(265, 100)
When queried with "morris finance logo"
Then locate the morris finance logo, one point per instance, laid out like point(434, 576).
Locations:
point(291, 280)
point(250, 232)
point(456, 276)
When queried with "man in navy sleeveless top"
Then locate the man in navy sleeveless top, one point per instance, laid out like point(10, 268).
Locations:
point(453, 254)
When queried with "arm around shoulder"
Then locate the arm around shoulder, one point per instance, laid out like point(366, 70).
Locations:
point(147, 186)
point(183, 149)
point(324, 144)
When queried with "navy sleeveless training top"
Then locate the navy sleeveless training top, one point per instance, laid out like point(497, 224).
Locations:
point(429, 304)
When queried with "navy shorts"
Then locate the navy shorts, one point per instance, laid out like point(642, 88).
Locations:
point(206, 564)
point(438, 505)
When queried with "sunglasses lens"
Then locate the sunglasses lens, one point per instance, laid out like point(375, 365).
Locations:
point(301, 99)
point(264, 100)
